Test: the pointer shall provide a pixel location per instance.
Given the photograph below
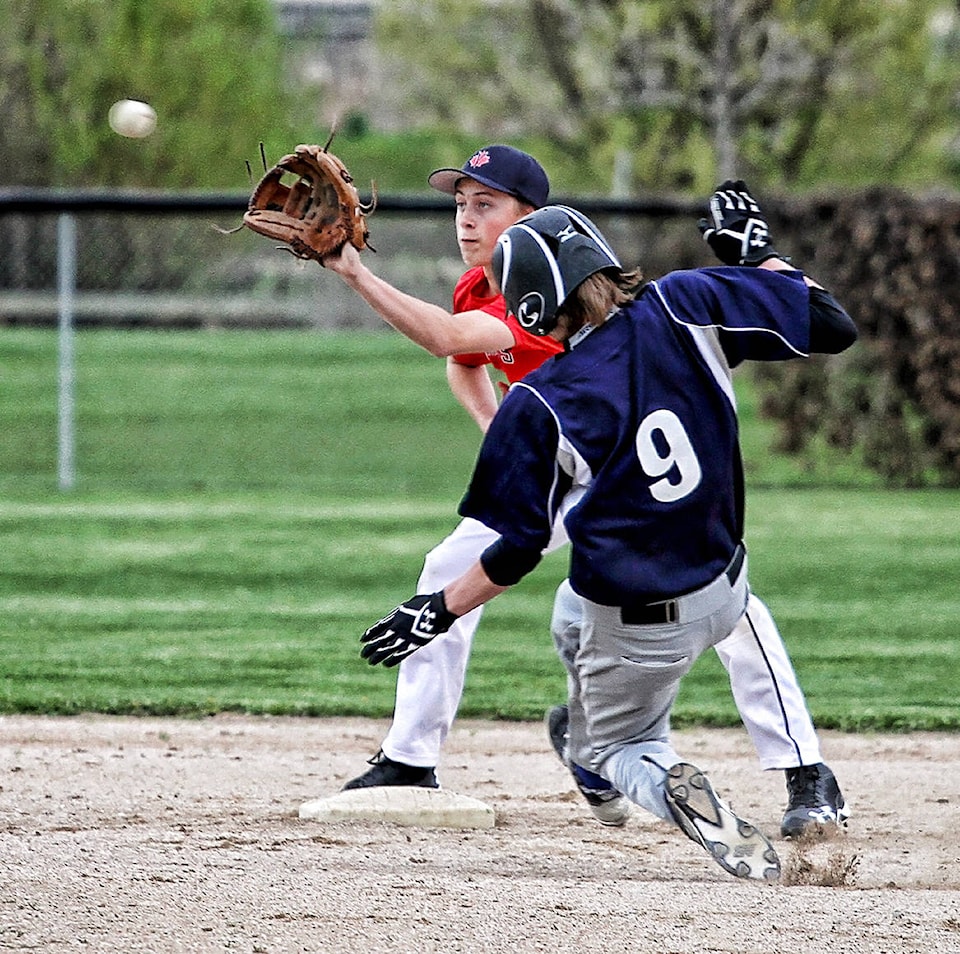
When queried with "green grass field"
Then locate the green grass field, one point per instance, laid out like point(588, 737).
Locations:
point(247, 503)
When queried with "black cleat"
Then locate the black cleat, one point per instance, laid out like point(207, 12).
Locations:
point(385, 771)
point(815, 804)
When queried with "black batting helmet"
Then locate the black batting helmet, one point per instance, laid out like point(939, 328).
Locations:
point(542, 258)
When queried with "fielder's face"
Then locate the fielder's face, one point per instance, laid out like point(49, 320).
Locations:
point(482, 214)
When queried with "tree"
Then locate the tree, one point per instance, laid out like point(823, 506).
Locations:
point(211, 69)
point(792, 92)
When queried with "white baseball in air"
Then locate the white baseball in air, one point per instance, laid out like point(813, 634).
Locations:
point(131, 118)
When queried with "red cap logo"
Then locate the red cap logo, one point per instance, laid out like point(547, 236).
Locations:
point(479, 159)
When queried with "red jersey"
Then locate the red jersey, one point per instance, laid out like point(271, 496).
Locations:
point(473, 293)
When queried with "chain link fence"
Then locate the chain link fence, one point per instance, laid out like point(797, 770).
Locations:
point(161, 260)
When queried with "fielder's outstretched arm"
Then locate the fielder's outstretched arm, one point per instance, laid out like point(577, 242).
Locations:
point(433, 328)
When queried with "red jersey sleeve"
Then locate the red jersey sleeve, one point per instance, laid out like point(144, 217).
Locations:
point(528, 352)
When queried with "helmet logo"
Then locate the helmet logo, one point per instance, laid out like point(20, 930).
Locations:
point(478, 159)
point(530, 309)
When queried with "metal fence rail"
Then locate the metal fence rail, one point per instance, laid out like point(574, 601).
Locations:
point(145, 201)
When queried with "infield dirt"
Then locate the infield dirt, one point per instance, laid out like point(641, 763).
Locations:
point(165, 835)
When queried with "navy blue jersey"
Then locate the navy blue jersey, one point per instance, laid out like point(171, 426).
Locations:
point(634, 430)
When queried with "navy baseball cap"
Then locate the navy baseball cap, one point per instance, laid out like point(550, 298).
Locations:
point(502, 168)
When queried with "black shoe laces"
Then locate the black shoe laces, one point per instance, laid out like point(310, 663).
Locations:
point(803, 785)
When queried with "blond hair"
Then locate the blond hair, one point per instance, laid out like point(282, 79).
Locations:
point(592, 301)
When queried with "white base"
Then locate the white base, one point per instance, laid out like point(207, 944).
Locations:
point(402, 805)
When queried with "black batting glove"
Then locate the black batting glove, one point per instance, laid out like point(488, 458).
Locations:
point(405, 630)
point(736, 230)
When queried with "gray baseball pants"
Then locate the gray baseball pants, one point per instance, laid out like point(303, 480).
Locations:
point(623, 680)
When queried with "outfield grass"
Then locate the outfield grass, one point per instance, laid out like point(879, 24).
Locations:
point(248, 503)
point(341, 414)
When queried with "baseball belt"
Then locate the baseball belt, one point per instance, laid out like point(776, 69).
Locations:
point(668, 611)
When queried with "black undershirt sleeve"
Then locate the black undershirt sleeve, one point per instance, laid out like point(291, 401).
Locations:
point(831, 329)
point(506, 564)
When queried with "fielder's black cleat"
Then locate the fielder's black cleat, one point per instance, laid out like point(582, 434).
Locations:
point(815, 803)
point(387, 772)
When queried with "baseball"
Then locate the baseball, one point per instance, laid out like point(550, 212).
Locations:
point(131, 118)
